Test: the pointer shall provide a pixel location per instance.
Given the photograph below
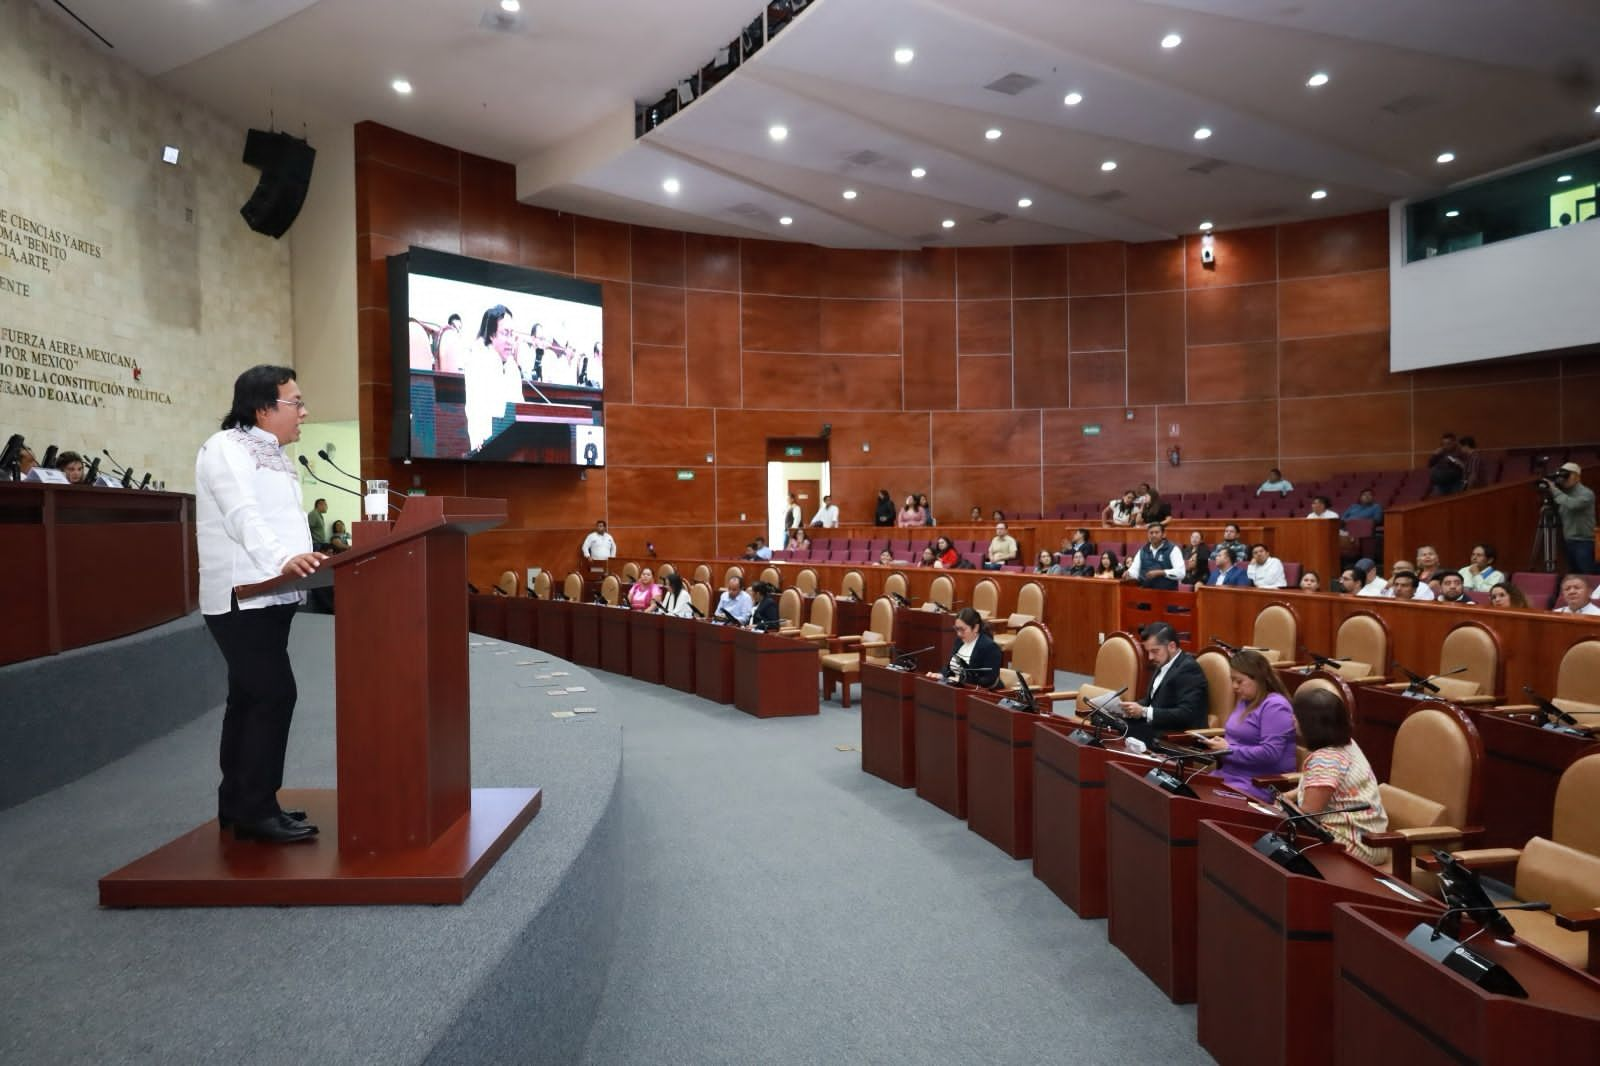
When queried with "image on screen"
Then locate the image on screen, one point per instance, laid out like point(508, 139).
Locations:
point(504, 364)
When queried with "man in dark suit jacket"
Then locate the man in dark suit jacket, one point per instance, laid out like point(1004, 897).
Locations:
point(1178, 694)
point(1231, 569)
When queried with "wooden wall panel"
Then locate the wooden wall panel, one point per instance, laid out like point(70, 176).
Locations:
point(658, 315)
point(859, 327)
point(983, 327)
point(893, 439)
point(928, 274)
point(1099, 378)
point(1098, 269)
point(782, 324)
point(983, 438)
point(657, 256)
point(489, 210)
point(1040, 270)
point(779, 268)
point(1222, 372)
point(393, 148)
point(1041, 369)
point(1157, 266)
point(983, 273)
point(1244, 257)
point(846, 382)
point(659, 375)
point(658, 436)
point(1348, 303)
point(1318, 426)
point(956, 489)
point(653, 495)
point(742, 490)
point(1233, 315)
point(858, 274)
point(930, 355)
point(712, 333)
point(1335, 366)
point(410, 207)
point(1504, 416)
point(1118, 440)
point(985, 382)
point(711, 262)
point(856, 488)
point(1220, 430)
point(1097, 324)
point(617, 328)
point(602, 249)
point(558, 498)
point(742, 435)
point(1098, 483)
point(1156, 328)
point(545, 239)
point(1334, 245)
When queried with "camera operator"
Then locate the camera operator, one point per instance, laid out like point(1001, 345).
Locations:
point(1574, 501)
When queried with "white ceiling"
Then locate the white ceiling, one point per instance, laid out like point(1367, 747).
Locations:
point(1493, 81)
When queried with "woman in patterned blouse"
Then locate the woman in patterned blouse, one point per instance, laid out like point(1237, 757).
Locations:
point(1336, 774)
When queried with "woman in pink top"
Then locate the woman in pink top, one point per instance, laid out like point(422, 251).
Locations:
point(910, 514)
point(645, 591)
point(1336, 774)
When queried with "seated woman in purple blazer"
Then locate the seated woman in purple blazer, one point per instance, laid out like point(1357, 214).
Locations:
point(1260, 731)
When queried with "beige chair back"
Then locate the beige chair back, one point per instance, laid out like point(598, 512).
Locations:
point(630, 571)
point(541, 585)
point(806, 582)
point(700, 596)
point(572, 587)
point(1576, 823)
point(896, 583)
point(1437, 756)
point(1031, 654)
point(789, 604)
point(1030, 600)
point(769, 574)
point(703, 573)
point(1363, 639)
point(666, 568)
point(1562, 876)
point(611, 590)
point(732, 571)
point(986, 598)
point(941, 594)
point(853, 584)
point(1277, 633)
point(1578, 680)
point(1219, 686)
point(1473, 645)
point(1116, 666)
point(507, 585)
point(821, 623)
point(882, 618)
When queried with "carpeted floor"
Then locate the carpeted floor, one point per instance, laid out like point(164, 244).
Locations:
point(782, 906)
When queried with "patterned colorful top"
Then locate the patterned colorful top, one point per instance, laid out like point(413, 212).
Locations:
point(1346, 771)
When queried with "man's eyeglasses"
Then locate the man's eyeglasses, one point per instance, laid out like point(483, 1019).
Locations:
point(298, 404)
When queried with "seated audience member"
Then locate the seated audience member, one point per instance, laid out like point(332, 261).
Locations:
point(1434, 584)
point(1372, 582)
point(1258, 738)
point(804, 543)
point(1230, 539)
point(792, 540)
point(1196, 560)
point(1230, 569)
point(1575, 597)
point(1506, 594)
point(72, 465)
point(764, 613)
point(1404, 586)
point(927, 510)
point(827, 515)
point(1337, 774)
point(1365, 508)
point(1350, 582)
point(735, 601)
point(1177, 698)
point(763, 549)
point(997, 515)
point(1079, 542)
point(886, 558)
point(1276, 483)
point(1321, 508)
point(1427, 562)
point(1155, 509)
point(1121, 512)
point(945, 556)
point(1045, 564)
point(1143, 494)
point(1310, 581)
point(676, 601)
point(1446, 467)
point(975, 515)
point(1159, 564)
point(1452, 590)
point(1480, 575)
point(928, 558)
point(1108, 569)
point(338, 538)
point(644, 592)
point(1266, 571)
point(1003, 550)
point(883, 513)
point(910, 514)
point(977, 657)
point(1077, 565)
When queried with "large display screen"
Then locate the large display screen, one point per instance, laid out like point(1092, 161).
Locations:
point(500, 363)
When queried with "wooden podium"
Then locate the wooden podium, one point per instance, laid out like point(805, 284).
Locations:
point(941, 744)
point(616, 631)
point(405, 824)
point(773, 676)
point(678, 653)
point(888, 725)
point(1000, 743)
point(713, 661)
point(914, 630)
point(646, 632)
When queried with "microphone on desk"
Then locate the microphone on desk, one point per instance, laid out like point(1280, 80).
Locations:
point(116, 467)
point(1418, 682)
point(900, 601)
point(1477, 914)
point(1312, 821)
point(307, 464)
point(90, 475)
point(698, 613)
point(145, 484)
point(1225, 646)
point(11, 455)
point(1322, 660)
point(907, 660)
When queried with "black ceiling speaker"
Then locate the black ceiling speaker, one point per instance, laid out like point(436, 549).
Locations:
point(285, 165)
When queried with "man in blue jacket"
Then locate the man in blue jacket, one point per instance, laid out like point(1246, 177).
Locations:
point(1231, 569)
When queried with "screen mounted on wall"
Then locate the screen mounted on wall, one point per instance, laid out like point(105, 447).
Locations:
point(501, 363)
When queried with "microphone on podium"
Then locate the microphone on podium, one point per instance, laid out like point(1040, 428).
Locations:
point(307, 464)
point(322, 453)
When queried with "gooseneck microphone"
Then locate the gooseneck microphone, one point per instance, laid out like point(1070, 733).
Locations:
point(1311, 821)
point(1477, 914)
point(145, 484)
point(307, 464)
point(1225, 646)
point(1322, 660)
point(322, 453)
point(90, 475)
point(115, 466)
point(49, 460)
point(907, 660)
point(1418, 682)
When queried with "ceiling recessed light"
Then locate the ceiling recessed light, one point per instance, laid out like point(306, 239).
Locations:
point(1319, 194)
point(785, 221)
point(401, 86)
point(1452, 213)
point(1563, 179)
point(992, 133)
point(1109, 165)
point(1024, 203)
point(1171, 40)
point(918, 172)
point(778, 133)
point(1073, 99)
point(904, 56)
point(849, 194)
point(1317, 80)
point(1445, 157)
point(169, 154)
point(1202, 133)
point(671, 185)
point(1597, 109)
point(948, 223)
point(511, 7)
point(1205, 227)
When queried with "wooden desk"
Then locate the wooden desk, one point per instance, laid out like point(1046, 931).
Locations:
point(1265, 948)
point(645, 662)
point(1141, 607)
point(916, 629)
point(941, 744)
point(1395, 1005)
point(586, 632)
point(616, 629)
point(1000, 772)
point(555, 628)
point(773, 676)
point(713, 661)
point(1152, 870)
point(486, 615)
point(888, 725)
point(678, 653)
point(851, 617)
point(1522, 766)
point(1069, 814)
point(521, 621)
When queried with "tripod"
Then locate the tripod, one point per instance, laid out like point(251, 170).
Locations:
point(1548, 547)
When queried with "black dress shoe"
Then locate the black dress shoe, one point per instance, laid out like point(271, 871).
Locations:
point(297, 816)
point(274, 830)
point(224, 822)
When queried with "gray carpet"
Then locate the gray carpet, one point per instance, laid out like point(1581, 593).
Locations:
point(782, 906)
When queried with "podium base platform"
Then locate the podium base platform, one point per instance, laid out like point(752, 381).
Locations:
point(209, 868)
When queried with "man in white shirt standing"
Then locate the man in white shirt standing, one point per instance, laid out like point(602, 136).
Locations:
point(598, 547)
point(1265, 571)
point(827, 515)
point(249, 529)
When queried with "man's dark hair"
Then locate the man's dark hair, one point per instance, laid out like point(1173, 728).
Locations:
point(318, 500)
point(1323, 718)
point(1157, 525)
point(255, 390)
point(1407, 574)
point(1322, 500)
point(1263, 547)
point(1160, 632)
point(1488, 552)
point(63, 458)
point(1469, 442)
point(1230, 554)
point(490, 324)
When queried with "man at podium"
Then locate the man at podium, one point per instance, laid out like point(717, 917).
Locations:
point(249, 528)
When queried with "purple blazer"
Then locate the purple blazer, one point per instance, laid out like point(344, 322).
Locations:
point(1260, 744)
